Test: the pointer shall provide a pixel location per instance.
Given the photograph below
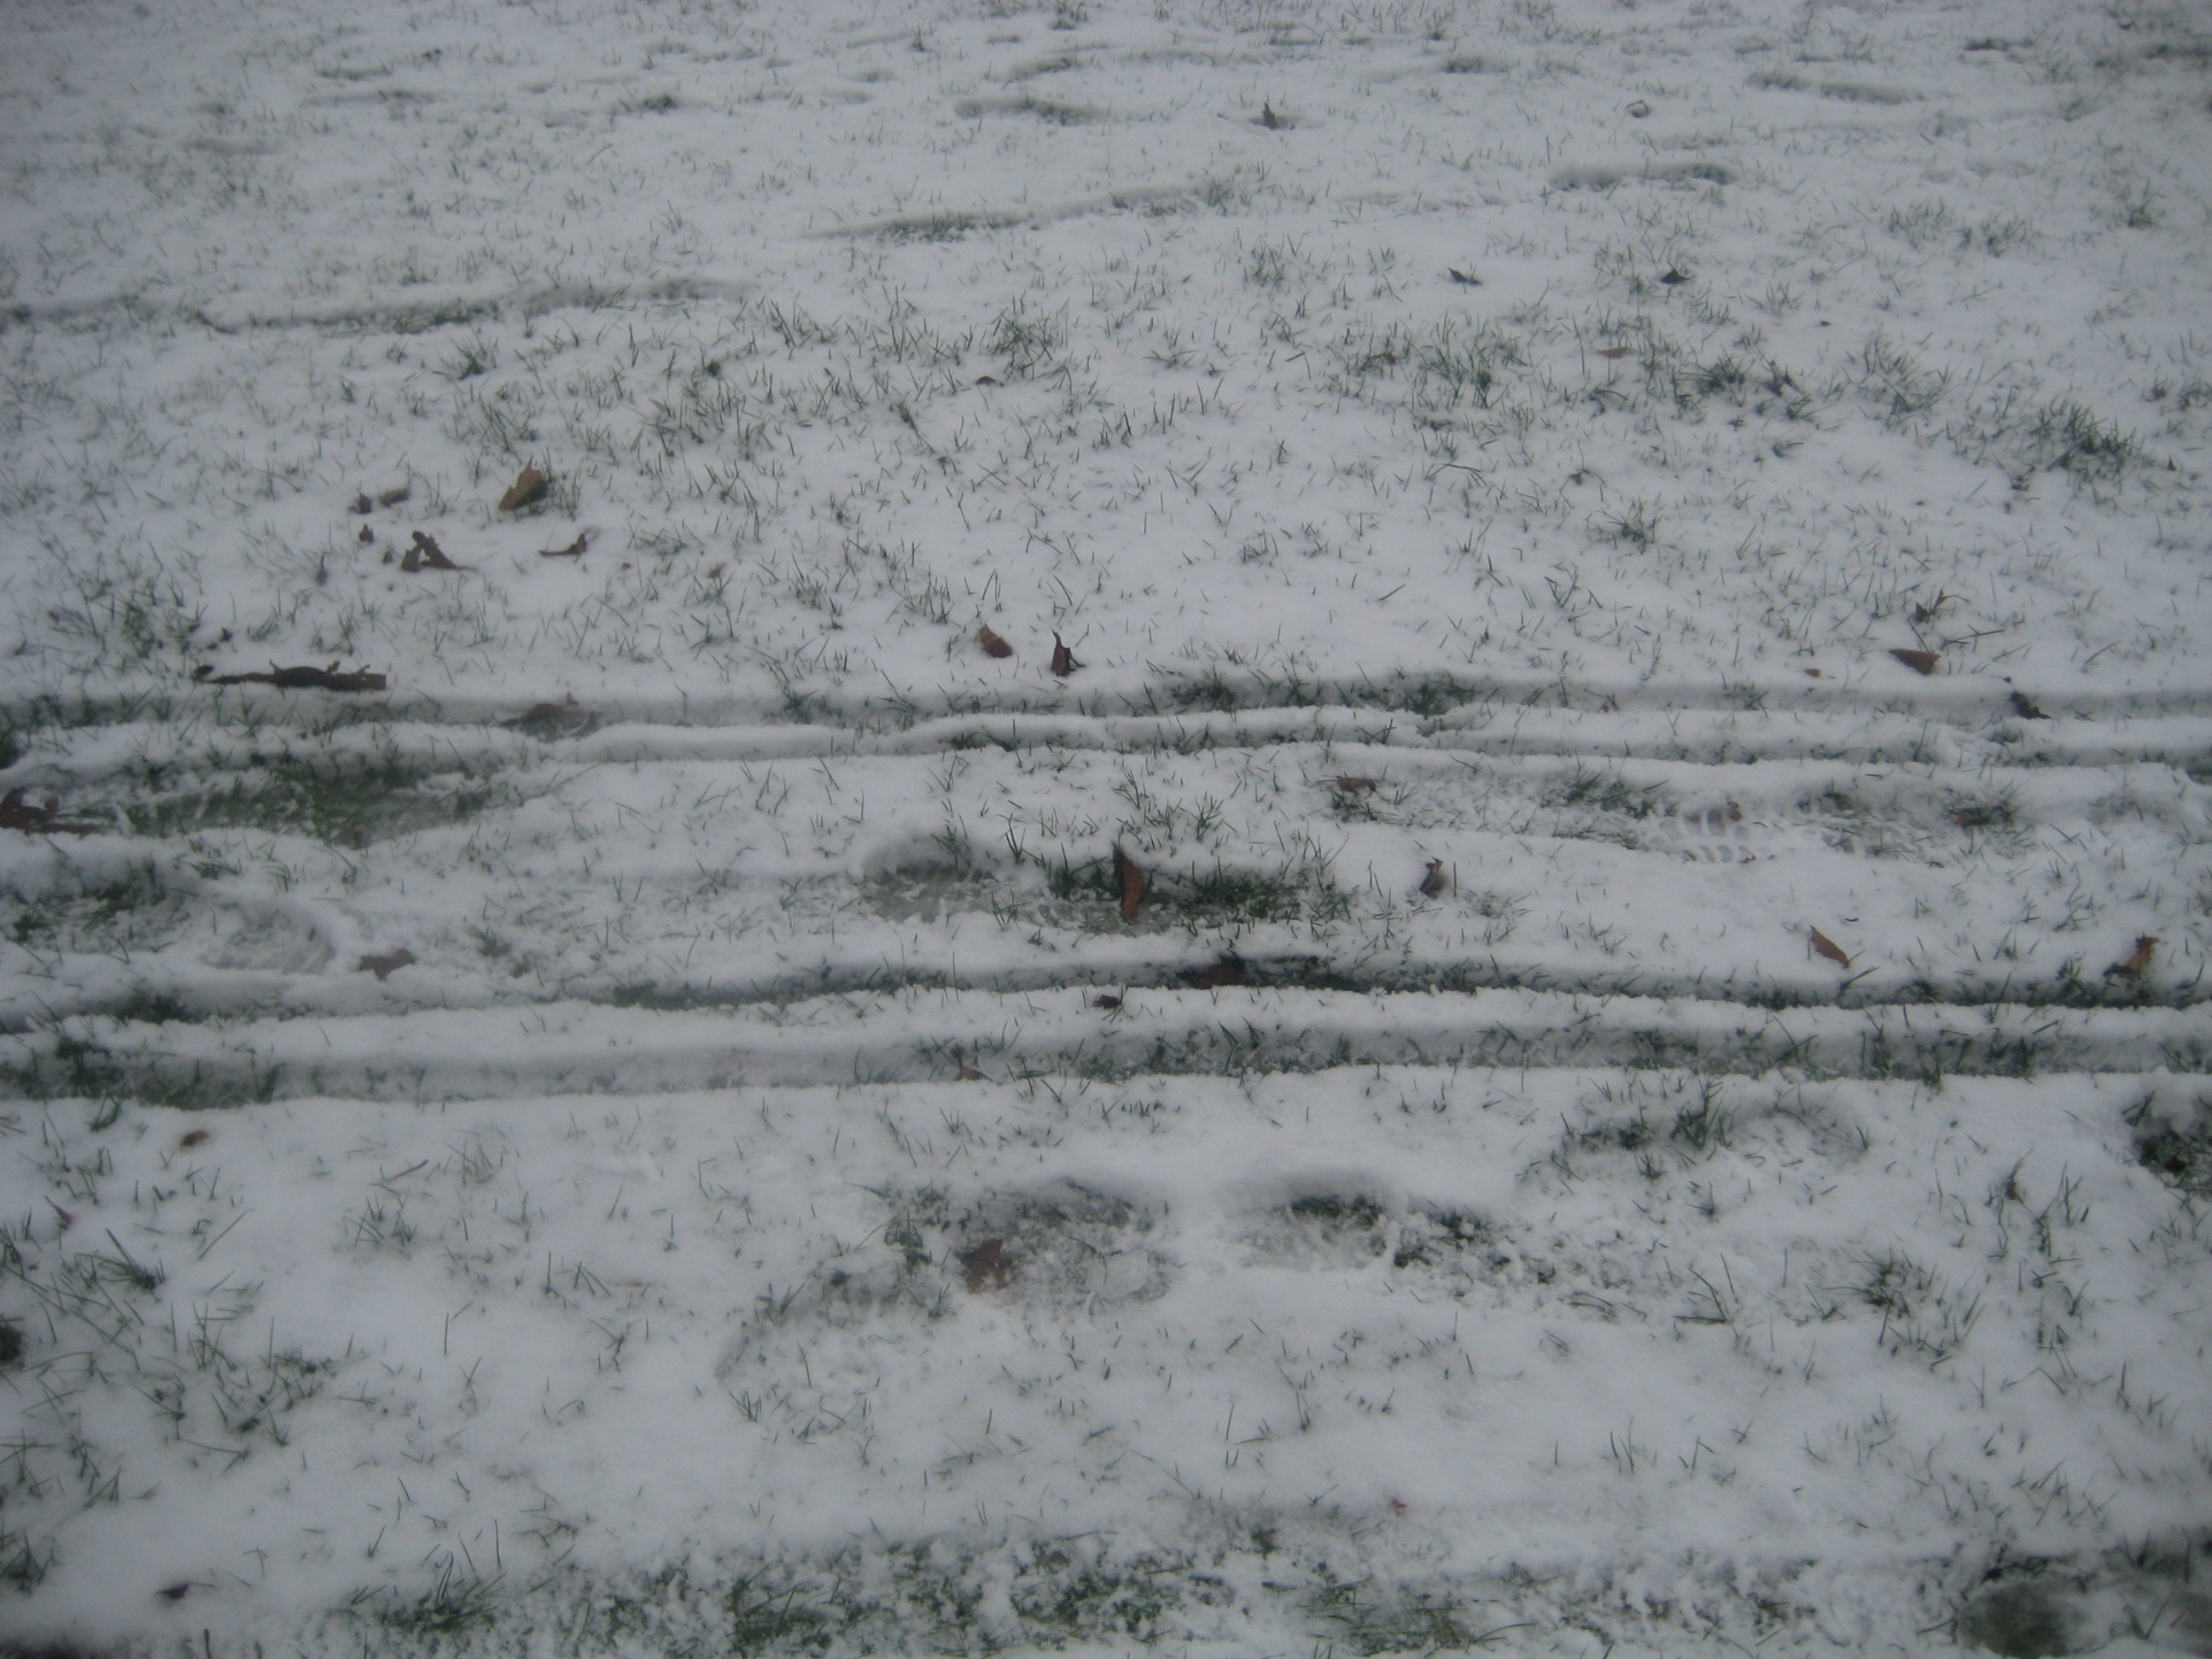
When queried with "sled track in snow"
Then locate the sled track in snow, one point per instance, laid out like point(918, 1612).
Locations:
point(1577, 834)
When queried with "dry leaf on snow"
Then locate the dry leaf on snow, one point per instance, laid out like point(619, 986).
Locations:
point(994, 643)
point(1828, 948)
point(529, 484)
point(427, 554)
point(987, 1266)
point(1920, 662)
point(1063, 660)
point(1215, 975)
point(17, 813)
point(1130, 879)
point(383, 967)
point(2145, 944)
point(2025, 707)
point(574, 550)
point(296, 679)
point(1435, 881)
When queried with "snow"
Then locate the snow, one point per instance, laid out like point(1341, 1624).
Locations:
point(1628, 1119)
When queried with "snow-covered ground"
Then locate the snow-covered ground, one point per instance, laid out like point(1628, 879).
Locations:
point(1284, 829)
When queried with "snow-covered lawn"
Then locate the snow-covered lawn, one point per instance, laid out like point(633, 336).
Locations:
point(1236, 829)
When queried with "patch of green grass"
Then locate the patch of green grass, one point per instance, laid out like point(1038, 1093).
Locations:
point(23, 1565)
point(1895, 382)
point(2070, 437)
point(79, 1067)
point(1061, 1599)
point(763, 1621)
point(1352, 1210)
point(342, 799)
point(125, 912)
point(1431, 1235)
point(1249, 895)
point(1603, 789)
point(1408, 1624)
point(2022, 1620)
point(1920, 1314)
point(1702, 1128)
point(2181, 1159)
point(458, 1600)
point(1026, 341)
point(1997, 811)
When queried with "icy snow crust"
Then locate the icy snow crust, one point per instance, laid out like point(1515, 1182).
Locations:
point(1627, 1117)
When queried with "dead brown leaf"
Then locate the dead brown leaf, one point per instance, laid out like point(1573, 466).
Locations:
point(987, 1266)
point(1108, 1003)
point(393, 496)
point(17, 813)
point(1614, 353)
point(1226, 972)
point(68, 1219)
point(296, 679)
point(1465, 278)
point(193, 1138)
point(994, 643)
point(968, 1074)
point(1828, 948)
point(529, 484)
point(1129, 877)
point(2139, 959)
point(1063, 660)
point(384, 966)
point(574, 550)
point(2025, 707)
point(1436, 881)
point(1920, 662)
point(360, 503)
point(367, 536)
point(1268, 118)
point(427, 554)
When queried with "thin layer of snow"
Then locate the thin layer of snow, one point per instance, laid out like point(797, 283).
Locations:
point(1625, 1117)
